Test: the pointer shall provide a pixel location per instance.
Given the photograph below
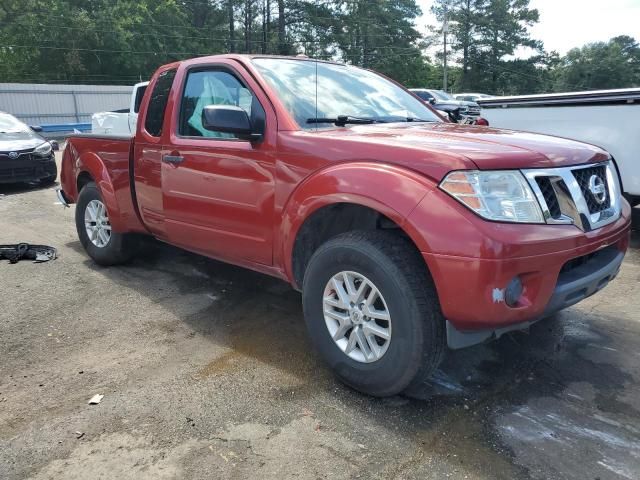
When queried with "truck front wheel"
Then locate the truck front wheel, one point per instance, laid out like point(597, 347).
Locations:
point(103, 245)
point(372, 311)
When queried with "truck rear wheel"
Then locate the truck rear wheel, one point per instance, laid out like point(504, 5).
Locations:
point(372, 311)
point(103, 245)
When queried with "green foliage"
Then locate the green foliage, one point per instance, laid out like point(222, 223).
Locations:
point(615, 64)
point(124, 41)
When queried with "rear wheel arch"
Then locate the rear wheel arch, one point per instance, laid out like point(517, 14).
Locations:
point(92, 169)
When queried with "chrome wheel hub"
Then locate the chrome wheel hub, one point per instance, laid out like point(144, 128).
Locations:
point(357, 317)
point(96, 222)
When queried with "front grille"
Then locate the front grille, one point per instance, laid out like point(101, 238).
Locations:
point(22, 156)
point(549, 196)
point(26, 167)
point(583, 176)
point(17, 173)
point(567, 195)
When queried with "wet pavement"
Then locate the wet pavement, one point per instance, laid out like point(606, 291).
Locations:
point(207, 373)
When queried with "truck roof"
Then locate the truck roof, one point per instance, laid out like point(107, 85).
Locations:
point(243, 57)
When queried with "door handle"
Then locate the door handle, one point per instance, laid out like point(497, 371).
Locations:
point(173, 159)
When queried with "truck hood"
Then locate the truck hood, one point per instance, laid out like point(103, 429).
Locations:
point(468, 146)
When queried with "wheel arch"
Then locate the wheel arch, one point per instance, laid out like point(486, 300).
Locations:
point(91, 168)
point(346, 197)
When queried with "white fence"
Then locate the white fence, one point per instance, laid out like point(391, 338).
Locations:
point(41, 104)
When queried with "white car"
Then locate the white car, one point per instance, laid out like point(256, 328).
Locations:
point(120, 122)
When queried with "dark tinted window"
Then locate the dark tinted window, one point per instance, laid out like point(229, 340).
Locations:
point(423, 95)
point(139, 95)
point(211, 87)
point(158, 103)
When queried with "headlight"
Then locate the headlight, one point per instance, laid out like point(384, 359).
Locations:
point(500, 195)
point(43, 150)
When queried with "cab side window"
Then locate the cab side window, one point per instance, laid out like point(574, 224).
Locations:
point(158, 103)
point(212, 87)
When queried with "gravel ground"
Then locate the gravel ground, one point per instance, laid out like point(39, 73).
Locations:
point(206, 373)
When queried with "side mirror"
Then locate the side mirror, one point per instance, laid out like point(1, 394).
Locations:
point(36, 128)
point(228, 119)
point(432, 101)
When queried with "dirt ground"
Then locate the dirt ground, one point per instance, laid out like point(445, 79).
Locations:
point(206, 372)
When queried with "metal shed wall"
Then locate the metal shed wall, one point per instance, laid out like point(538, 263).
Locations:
point(37, 104)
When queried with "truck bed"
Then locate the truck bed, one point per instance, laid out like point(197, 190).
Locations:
point(104, 159)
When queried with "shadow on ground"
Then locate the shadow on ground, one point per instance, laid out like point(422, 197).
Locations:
point(17, 188)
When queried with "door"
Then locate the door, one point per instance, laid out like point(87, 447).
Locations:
point(218, 190)
point(147, 155)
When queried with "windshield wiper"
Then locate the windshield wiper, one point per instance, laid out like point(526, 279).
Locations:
point(342, 120)
point(413, 119)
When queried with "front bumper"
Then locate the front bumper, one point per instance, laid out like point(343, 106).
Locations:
point(578, 279)
point(27, 169)
point(557, 265)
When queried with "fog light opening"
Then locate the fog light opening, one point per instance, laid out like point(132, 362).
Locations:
point(513, 292)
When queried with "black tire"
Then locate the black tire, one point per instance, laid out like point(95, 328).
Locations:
point(393, 264)
point(120, 247)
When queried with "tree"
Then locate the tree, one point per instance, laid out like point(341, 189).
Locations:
point(485, 33)
point(381, 35)
point(614, 64)
point(464, 18)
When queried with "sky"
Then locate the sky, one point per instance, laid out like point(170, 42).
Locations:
point(565, 24)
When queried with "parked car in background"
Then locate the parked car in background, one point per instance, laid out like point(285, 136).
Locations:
point(458, 110)
point(471, 97)
point(607, 118)
point(405, 233)
point(25, 156)
point(120, 122)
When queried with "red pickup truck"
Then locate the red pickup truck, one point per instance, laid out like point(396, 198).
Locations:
point(404, 232)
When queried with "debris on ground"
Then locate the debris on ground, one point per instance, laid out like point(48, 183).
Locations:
point(19, 251)
point(96, 399)
point(79, 435)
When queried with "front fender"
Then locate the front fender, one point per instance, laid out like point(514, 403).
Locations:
point(390, 190)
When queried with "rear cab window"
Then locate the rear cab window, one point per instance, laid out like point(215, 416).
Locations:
point(158, 103)
point(138, 100)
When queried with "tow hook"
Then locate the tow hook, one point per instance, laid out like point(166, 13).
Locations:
point(61, 198)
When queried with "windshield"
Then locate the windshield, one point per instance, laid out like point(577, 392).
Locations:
point(441, 95)
point(340, 91)
point(10, 124)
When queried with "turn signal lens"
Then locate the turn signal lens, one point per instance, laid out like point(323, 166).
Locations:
point(500, 195)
